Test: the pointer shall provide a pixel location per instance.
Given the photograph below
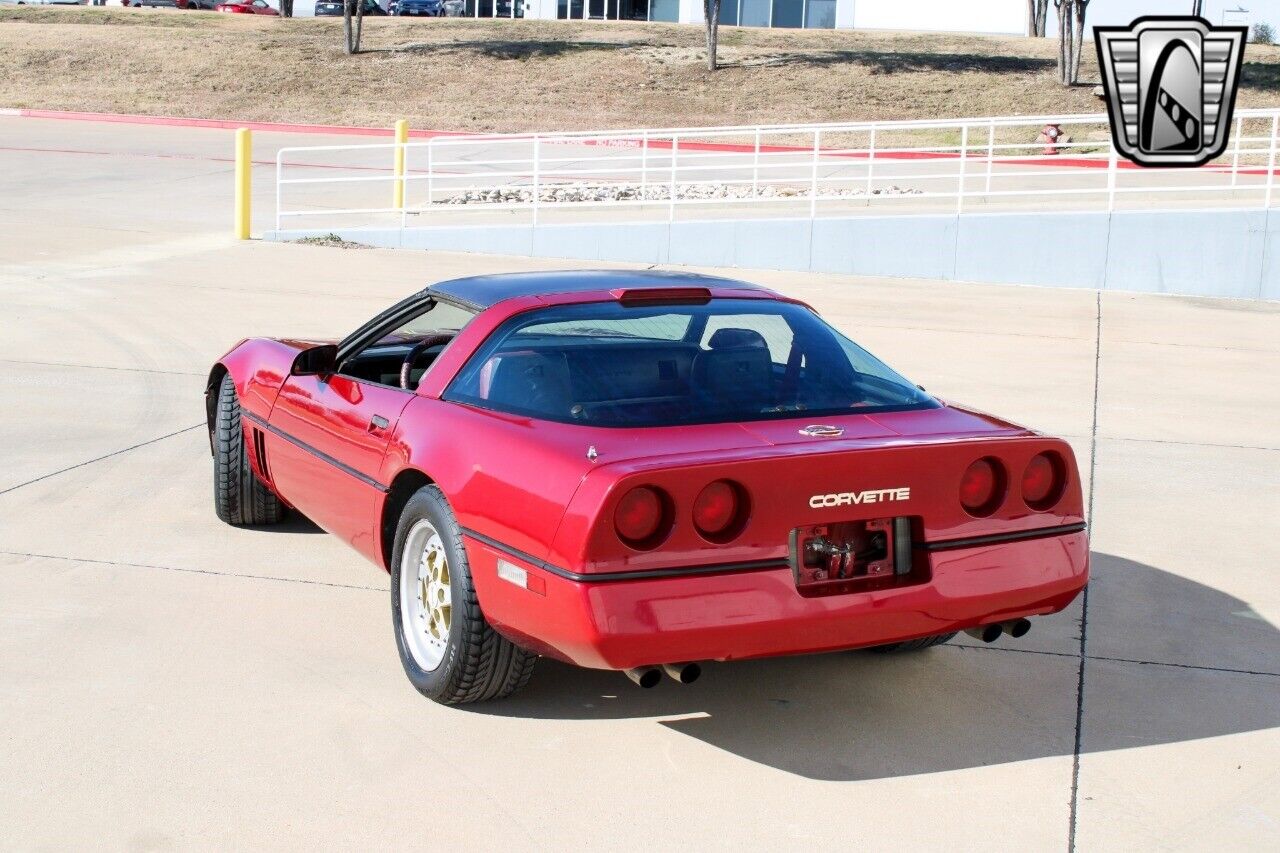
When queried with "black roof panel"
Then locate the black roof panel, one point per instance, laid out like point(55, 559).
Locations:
point(485, 290)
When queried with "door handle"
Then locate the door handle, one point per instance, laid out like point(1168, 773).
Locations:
point(378, 423)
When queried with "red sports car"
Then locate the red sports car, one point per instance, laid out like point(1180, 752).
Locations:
point(641, 471)
point(247, 7)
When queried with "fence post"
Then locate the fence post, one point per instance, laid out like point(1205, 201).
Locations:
point(244, 172)
point(964, 153)
point(813, 183)
point(431, 174)
point(991, 153)
point(397, 192)
point(871, 162)
point(1113, 167)
point(279, 177)
point(1235, 154)
point(644, 162)
point(537, 178)
point(675, 155)
point(1271, 159)
point(755, 168)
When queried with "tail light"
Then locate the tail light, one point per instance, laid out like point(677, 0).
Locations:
point(720, 511)
point(642, 518)
point(1043, 481)
point(982, 487)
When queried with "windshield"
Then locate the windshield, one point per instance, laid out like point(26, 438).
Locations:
point(617, 365)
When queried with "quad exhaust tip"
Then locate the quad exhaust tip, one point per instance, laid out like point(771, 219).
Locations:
point(649, 676)
point(645, 676)
point(990, 633)
point(685, 673)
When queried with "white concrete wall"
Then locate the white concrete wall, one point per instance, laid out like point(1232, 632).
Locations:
point(987, 16)
point(1225, 253)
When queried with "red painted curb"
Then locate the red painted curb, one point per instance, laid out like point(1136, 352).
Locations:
point(225, 124)
point(348, 130)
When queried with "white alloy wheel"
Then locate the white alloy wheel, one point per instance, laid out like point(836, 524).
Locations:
point(426, 599)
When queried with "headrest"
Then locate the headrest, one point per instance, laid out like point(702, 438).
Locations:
point(736, 339)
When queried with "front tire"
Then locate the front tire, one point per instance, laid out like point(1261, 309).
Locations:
point(448, 650)
point(239, 497)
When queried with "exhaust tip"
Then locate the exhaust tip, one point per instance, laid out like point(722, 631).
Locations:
point(685, 673)
point(985, 633)
point(645, 676)
point(1017, 627)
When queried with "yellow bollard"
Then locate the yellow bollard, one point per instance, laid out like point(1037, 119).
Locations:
point(402, 136)
point(244, 165)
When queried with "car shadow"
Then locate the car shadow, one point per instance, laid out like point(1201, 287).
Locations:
point(860, 715)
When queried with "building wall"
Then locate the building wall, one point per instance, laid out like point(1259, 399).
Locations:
point(989, 16)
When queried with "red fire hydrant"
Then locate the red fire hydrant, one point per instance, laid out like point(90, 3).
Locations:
point(1049, 136)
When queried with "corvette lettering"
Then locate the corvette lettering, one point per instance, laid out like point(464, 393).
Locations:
point(869, 496)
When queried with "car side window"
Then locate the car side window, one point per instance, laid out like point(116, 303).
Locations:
point(401, 356)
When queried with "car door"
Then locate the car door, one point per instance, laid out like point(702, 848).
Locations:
point(336, 430)
point(330, 431)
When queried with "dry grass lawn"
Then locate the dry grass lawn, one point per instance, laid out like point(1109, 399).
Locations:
point(526, 75)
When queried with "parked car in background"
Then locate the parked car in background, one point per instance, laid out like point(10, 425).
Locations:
point(423, 8)
point(333, 8)
point(247, 7)
point(193, 5)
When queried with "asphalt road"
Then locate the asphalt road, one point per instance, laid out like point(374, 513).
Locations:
point(167, 681)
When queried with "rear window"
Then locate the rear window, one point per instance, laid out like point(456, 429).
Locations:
point(615, 365)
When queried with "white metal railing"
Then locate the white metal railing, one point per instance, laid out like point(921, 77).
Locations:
point(779, 170)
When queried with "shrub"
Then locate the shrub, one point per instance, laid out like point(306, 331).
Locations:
point(1263, 34)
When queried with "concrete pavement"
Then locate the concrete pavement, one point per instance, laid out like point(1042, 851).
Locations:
point(167, 681)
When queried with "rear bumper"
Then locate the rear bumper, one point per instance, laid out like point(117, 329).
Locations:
point(759, 613)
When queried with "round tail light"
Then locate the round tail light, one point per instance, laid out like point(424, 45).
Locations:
point(643, 517)
point(1042, 481)
point(720, 510)
point(982, 487)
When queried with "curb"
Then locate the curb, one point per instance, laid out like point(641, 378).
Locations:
point(221, 124)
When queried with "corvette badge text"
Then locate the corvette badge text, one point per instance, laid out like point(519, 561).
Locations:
point(869, 496)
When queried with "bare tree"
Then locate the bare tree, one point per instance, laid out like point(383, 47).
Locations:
point(1077, 46)
point(351, 32)
point(711, 13)
point(1037, 17)
point(1070, 38)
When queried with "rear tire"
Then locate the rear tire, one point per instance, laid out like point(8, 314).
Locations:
point(913, 645)
point(449, 652)
point(239, 497)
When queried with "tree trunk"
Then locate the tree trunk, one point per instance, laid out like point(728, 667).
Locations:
point(1082, 6)
point(711, 12)
point(1037, 12)
point(1065, 38)
point(346, 27)
point(359, 23)
point(286, 8)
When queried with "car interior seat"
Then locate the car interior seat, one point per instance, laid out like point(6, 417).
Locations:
point(532, 382)
point(735, 372)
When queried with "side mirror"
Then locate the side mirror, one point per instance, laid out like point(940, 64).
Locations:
point(317, 361)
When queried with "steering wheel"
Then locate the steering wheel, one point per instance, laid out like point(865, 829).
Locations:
point(419, 349)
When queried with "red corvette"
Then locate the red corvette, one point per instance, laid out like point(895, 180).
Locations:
point(640, 471)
